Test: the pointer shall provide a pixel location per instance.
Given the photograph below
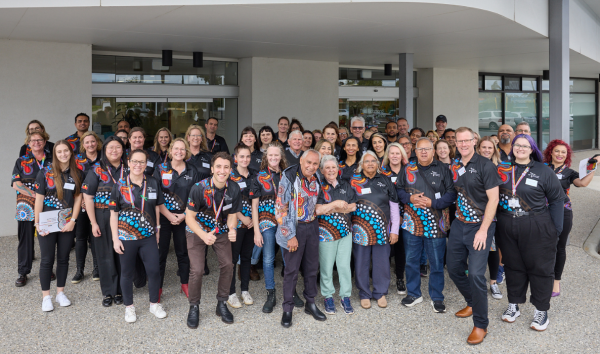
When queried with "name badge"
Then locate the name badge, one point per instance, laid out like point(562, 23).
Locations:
point(438, 195)
point(242, 184)
point(150, 164)
point(70, 186)
point(205, 165)
point(167, 176)
point(228, 206)
point(151, 195)
point(394, 179)
point(366, 191)
point(513, 203)
point(531, 182)
point(559, 176)
point(461, 171)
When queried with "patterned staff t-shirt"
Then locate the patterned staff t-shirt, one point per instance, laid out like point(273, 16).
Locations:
point(335, 226)
point(244, 184)
point(99, 183)
point(176, 187)
point(204, 198)
point(25, 171)
point(264, 186)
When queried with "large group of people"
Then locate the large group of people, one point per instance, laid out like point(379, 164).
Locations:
point(350, 199)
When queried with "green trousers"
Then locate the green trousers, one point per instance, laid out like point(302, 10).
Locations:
point(337, 252)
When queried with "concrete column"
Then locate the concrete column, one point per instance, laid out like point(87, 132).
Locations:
point(405, 73)
point(558, 29)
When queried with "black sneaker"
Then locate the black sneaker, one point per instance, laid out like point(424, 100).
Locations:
point(540, 320)
point(424, 270)
point(401, 286)
point(438, 306)
point(95, 274)
point(511, 313)
point(78, 276)
point(410, 301)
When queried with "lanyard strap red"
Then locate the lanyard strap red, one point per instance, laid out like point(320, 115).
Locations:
point(561, 169)
point(40, 165)
point(143, 194)
point(111, 176)
point(217, 212)
point(515, 184)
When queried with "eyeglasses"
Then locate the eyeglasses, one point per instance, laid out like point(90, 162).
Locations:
point(36, 140)
point(358, 128)
point(464, 141)
point(423, 149)
point(521, 147)
point(195, 136)
point(114, 148)
point(522, 131)
point(138, 163)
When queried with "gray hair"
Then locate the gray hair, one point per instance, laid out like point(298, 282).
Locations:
point(359, 119)
point(309, 151)
point(424, 138)
point(402, 136)
point(362, 159)
point(523, 123)
point(326, 159)
point(386, 157)
point(295, 132)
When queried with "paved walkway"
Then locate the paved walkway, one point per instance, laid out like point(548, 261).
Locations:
point(86, 326)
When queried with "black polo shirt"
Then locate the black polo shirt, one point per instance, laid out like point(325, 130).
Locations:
point(255, 160)
point(285, 143)
point(370, 221)
point(74, 141)
point(163, 156)
point(84, 163)
point(244, 183)
point(538, 188)
point(133, 224)
point(566, 176)
point(291, 159)
point(202, 162)
point(201, 201)
point(153, 160)
point(471, 183)
point(176, 187)
point(346, 172)
point(26, 150)
point(99, 184)
point(504, 157)
point(337, 151)
point(26, 171)
point(389, 173)
point(335, 226)
point(264, 186)
point(216, 145)
point(46, 186)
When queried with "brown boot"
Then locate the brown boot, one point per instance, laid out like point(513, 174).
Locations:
point(466, 312)
point(254, 273)
point(477, 336)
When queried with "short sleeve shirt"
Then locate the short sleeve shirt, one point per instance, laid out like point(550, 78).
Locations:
point(99, 183)
point(370, 221)
point(244, 184)
point(471, 182)
point(202, 163)
point(84, 163)
point(566, 176)
point(291, 158)
point(74, 141)
point(150, 163)
point(136, 223)
point(45, 185)
point(255, 160)
point(25, 171)
point(176, 187)
point(205, 198)
point(264, 186)
point(335, 226)
point(347, 171)
point(216, 145)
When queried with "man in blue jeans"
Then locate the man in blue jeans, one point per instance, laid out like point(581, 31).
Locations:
point(426, 189)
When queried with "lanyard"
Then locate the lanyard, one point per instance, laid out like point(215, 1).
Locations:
point(217, 212)
point(214, 142)
point(514, 185)
point(143, 196)
point(111, 176)
point(40, 165)
point(561, 169)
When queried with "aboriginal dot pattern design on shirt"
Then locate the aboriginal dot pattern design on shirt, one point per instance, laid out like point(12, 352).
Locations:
point(131, 225)
point(368, 227)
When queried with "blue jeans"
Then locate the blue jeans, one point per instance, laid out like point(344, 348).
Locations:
point(268, 249)
point(435, 249)
point(423, 257)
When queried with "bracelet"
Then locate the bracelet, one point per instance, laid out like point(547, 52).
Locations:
point(36, 224)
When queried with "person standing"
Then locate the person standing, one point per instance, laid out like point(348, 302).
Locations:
point(426, 189)
point(249, 138)
point(357, 126)
point(267, 136)
point(294, 150)
point(97, 188)
point(176, 178)
point(137, 138)
point(476, 182)
point(450, 137)
point(440, 124)
point(162, 142)
point(82, 124)
point(123, 125)
point(23, 179)
point(134, 214)
point(298, 233)
point(378, 144)
point(391, 132)
point(443, 152)
point(375, 225)
point(201, 158)
point(214, 142)
point(506, 135)
point(558, 155)
point(403, 126)
point(91, 146)
point(211, 220)
point(334, 206)
point(530, 219)
point(331, 134)
point(35, 126)
point(283, 125)
point(350, 155)
point(57, 187)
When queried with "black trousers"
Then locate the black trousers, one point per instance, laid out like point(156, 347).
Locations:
point(399, 256)
point(307, 256)
point(109, 264)
point(494, 263)
point(528, 245)
point(561, 249)
point(462, 256)
point(83, 236)
point(180, 244)
point(242, 248)
point(26, 234)
point(59, 243)
point(147, 250)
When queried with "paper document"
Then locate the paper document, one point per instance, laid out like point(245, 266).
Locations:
point(55, 220)
point(586, 168)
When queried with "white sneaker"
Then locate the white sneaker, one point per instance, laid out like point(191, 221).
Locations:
point(47, 304)
point(496, 293)
point(511, 313)
point(234, 301)
point(157, 310)
point(540, 320)
point(130, 314)
point(247, 298)
point(62, 300)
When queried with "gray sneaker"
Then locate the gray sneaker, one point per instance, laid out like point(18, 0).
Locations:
point(496, 293)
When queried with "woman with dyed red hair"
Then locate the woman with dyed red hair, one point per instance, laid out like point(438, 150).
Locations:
point(558, 156)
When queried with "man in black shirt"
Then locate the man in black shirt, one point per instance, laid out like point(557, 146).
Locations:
point(214, 142)
point(391, 131)
point(294, 151)
point(82, 123)
point(476, 181)
point(357, 127)
point(506, 135)
point(440, 125)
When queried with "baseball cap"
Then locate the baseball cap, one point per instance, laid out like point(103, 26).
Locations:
point(441, 118)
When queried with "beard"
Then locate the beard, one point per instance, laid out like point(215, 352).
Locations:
point(505, 140)
point(392, 135)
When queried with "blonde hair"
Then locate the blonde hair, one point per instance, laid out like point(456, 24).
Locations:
point(203, 146)
point(57, 173)
point(437, 137)
point(188, 153)
point(495, 155)
point(157, 145)
point(386, 156)
point(85, 135)
point(324, 141)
